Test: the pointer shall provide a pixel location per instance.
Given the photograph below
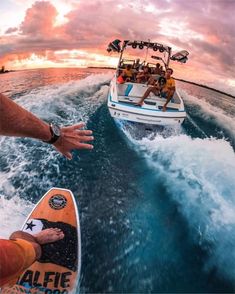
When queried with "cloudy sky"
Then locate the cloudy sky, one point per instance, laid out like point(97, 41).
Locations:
point(75, 33)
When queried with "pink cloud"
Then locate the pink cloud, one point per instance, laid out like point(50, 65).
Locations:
point(92, 24)
point(39, 20)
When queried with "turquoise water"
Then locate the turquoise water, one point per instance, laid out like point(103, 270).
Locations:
point(156, 212)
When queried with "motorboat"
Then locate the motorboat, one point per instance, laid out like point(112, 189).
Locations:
point(124, 97)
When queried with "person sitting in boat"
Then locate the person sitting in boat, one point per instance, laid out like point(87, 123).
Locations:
point(128, 72)
point(154, 78)
point(169, 88)
point(165, 90)
point(156, 89)
point(121, 79)
point(143, 77)
point(126, 75)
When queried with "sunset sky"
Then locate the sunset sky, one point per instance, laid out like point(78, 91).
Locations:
point(75, 33)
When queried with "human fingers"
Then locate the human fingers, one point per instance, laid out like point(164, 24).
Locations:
point(78, 137)
point(74, 127)
point(68, 155)
point(85, 138)
point(78, 126)
point(61, 235)
point(57, 230)
point(84, 132)
point(83, 146)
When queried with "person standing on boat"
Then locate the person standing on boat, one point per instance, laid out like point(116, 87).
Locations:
point(157, 70)
point(166, 91)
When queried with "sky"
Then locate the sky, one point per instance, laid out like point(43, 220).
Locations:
point(75, 33)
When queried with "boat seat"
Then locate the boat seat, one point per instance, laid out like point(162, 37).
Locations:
point(138, 90)
point(130, 89)
point(121, 89)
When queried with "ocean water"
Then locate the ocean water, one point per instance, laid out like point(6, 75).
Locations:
point(157, 212)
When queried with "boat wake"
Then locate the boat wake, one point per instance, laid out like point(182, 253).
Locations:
point(30, 168)
point(210, 119)
point(198, 175)
point(189, 167)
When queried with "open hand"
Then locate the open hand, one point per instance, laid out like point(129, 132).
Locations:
point(73, 137)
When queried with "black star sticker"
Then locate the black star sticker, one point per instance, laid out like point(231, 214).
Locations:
point(30, 226)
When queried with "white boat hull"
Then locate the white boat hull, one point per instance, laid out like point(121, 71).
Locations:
point(118, 113)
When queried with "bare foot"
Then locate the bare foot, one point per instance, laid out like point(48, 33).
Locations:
point(164, 108)
point(49, 236)
point(139, 104)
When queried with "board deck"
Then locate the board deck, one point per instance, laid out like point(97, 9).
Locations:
point(58, 269)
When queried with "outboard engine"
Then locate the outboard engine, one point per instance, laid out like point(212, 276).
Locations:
point(114, 46)
point(181, 56)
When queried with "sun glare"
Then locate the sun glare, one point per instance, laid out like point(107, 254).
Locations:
point(62, 8)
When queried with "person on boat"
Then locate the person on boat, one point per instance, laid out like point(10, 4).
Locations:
point(166, 90)
point(128, 72)
point(169, 88)
point(126, 75)
point(23, 249)
point(157, 70)
point(137, 64)
point(121, 79)
point(156, 89)
point(154, 78)
point(143, 77)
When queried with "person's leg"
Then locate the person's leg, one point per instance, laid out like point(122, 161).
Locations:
point(151, 81)
point(168, 98)
point(139, 78)
point(146, 94)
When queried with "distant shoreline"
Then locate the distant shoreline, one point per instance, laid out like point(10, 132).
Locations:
point(102, 67)
point(206, 87)
point(6, 71)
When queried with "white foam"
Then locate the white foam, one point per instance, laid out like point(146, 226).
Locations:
point(13, 213)
point(209, 112)
point(199, 175)
point(77, 100)
point(65, 97)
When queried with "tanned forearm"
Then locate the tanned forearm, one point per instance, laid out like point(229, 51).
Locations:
point(16, 121)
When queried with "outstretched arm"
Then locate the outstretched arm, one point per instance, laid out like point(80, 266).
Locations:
point(16, 121)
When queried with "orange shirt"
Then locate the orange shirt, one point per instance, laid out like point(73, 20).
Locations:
point(15, 257)
point(169, 84)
